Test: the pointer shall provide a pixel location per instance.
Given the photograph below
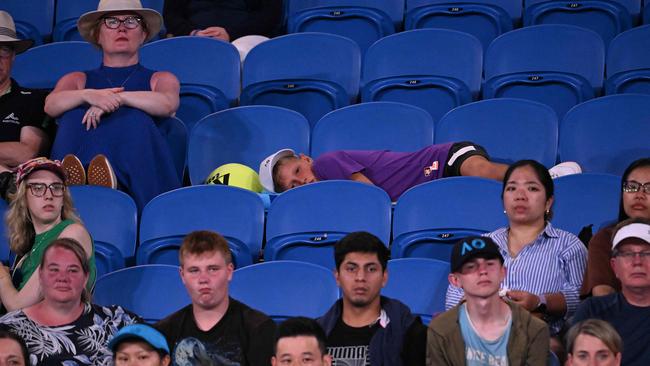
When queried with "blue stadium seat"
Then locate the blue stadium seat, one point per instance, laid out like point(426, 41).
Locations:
point(605, 17)
point(151, 291)
point(484, 19)
point(434, 69)
point(304, 223)
point(283, 289)
point(235, 213)
point(373, 126)
point(311, 73)
point(363, 21)
point(606, 134)
point(208, 69)
point(628, 62)
point(33, 18)
point(646, 13)
point(111, 218)
point(420, 283)
point(429, 218)
point(586, 199)
point(175, 133)
point(69, 11)
point(5, 253)
point(62, 58)
point(244, 135)
point(559, 65)
point(498, 126)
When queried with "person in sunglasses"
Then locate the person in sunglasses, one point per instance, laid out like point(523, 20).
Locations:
point(41, 211)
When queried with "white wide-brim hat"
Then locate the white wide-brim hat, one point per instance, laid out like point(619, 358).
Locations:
point(8, 35)
point(88, 22)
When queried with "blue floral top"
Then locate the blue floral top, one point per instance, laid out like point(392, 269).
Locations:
point(82, 342)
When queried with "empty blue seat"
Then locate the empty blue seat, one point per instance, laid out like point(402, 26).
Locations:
point(111, 218)
point(30, 68)
point(244, 135)
point(429, 218)
point(33, 18)
point(559, 65)
point(484, 19)
point(434, 69)
point(628, 62)
point(208, 70)
point(373, 126)
point(420, 283)
point(606, 134)
point(152, 291)
point(175, 133)
point(305, 222)
point(283, 289)
point(586, 199)
point(509, 129)
point(235, 213)
point(363, 21)
point(605, 17)
point(311, 73)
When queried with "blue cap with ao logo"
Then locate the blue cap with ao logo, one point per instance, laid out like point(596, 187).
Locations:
point(472, 247)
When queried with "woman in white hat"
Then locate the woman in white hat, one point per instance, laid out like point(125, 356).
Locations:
point(110, 111)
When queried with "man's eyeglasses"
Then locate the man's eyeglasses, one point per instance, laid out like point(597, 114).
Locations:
point(633, 187)
point(6, 52)
point(629, 255)
point(39, 189)
point(129, 22)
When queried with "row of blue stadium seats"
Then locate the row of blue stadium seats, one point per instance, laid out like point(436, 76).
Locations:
point(304, 223)
point(365, 21)
point(288, 288)
point(557, 65)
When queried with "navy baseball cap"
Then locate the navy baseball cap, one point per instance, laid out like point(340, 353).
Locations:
point(142, 332)
point(472, 247)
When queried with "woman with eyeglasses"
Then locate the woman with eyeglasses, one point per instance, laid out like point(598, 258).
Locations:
point(40, 211)
point(110, 113)
point(635, 203)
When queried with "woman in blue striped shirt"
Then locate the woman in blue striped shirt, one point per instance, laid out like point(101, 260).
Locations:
point(545, 266)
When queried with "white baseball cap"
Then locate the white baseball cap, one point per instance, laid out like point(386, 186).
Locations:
point(634, 230)
point(266, 168)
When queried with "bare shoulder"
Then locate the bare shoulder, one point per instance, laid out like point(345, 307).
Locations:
point(73, 81)
point(78, 232)
point(164, 79)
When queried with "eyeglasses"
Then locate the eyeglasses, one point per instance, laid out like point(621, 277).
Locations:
point(39, 189)
point(633, 187)
point(129, 22)
point(6, 51)
point(629, 255)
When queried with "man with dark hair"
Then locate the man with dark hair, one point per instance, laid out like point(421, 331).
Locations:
point(300, 341)
point(628, 311)
point(364, 328)
point(215, 329)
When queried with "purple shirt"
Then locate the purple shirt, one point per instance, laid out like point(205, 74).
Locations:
point(394, 172)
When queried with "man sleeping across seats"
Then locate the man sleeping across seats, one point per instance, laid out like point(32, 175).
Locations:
point(394, 172)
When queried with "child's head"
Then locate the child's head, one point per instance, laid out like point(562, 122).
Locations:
point(284, 170)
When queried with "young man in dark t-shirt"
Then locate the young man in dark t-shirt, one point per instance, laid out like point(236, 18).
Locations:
point(215, 329)
point(365, 328)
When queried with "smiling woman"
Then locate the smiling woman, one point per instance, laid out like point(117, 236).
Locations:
point(41, 210)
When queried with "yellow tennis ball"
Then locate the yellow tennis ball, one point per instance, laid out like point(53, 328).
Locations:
point(236, 175)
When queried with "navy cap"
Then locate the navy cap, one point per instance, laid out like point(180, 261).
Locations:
point(140, 331)
point(472, 247)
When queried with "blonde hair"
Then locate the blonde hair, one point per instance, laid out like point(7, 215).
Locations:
point(596, 328)
point(19, 220)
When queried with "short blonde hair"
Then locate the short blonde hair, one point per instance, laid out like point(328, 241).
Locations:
point(596, 328)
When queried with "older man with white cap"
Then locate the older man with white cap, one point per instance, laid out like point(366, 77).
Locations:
point(22, 120)
point(629, 310)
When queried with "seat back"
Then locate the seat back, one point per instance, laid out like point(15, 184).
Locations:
point(628, 62)
point(62, 58)
point(283, 289)
point(33, 18)
point(606, 134)
point(170, 216)
point(208, 69)
point(429, 218)
point(420, 283)
point(244, 135)
point(152, 291)
point(373, 126)
point(111, 218)
point(305, 222)
point(496, 124)
point(596, 195)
